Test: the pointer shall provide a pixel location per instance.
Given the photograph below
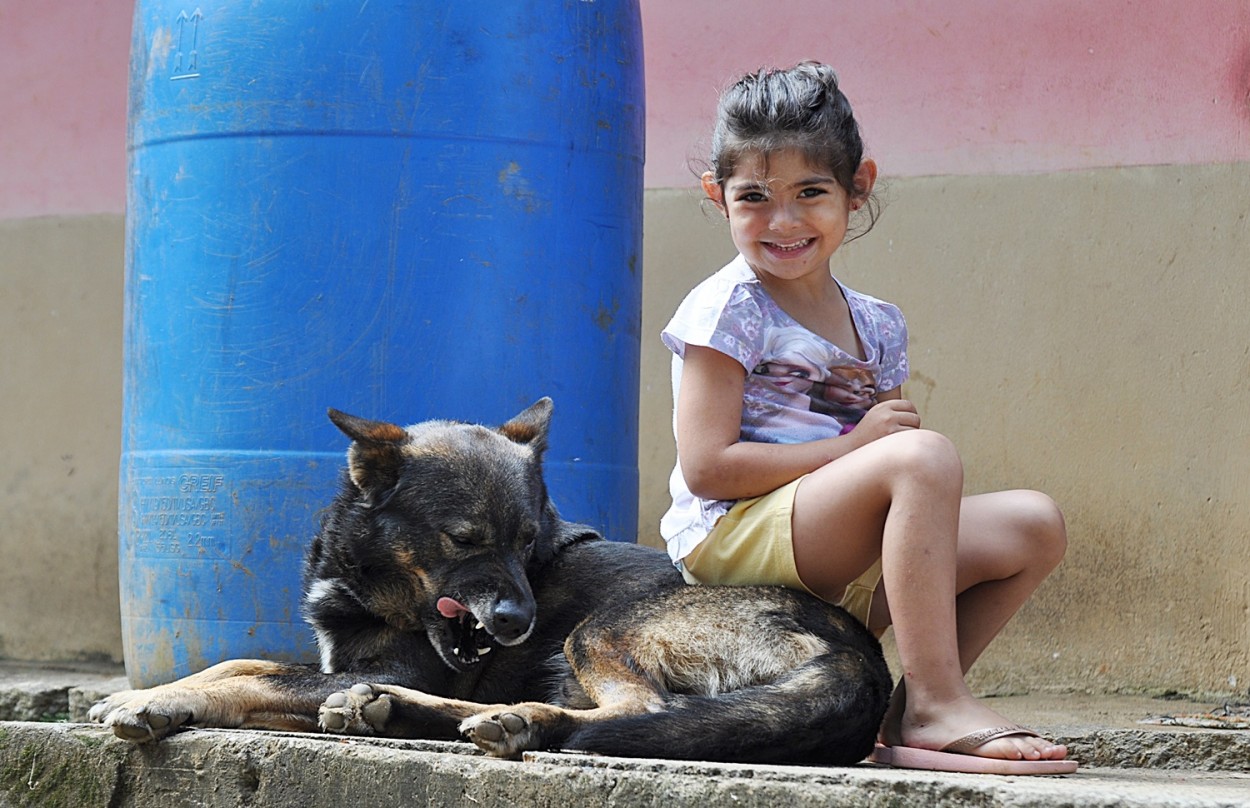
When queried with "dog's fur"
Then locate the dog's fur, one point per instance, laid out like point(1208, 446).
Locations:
point(449, 599)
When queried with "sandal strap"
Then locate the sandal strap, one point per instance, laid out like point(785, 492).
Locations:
point(966, 744)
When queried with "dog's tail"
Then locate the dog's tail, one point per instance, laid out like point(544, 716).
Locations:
point(827, 711)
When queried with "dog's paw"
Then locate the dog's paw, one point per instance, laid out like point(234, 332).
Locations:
point(139, 716)
point(360, 710)
point(506, 733)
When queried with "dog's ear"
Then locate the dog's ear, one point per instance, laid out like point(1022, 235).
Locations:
point(375, 456)
point(530, 427)
point(561, 535)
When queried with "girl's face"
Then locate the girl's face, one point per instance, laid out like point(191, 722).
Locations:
point(786, 216)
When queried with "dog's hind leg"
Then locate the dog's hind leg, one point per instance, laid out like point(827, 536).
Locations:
point(762, 676)
point(605, 671)
point(240, 693)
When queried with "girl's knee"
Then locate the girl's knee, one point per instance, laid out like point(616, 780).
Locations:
point(1042, 522)
point(926, 454)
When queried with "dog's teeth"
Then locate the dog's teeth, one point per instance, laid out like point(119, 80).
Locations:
point(483, 651)
point(480, 625)
point(456, 651)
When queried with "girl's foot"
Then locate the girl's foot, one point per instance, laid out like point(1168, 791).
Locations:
point(938, 726)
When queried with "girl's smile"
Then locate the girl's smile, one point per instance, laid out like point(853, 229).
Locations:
point(789, 250)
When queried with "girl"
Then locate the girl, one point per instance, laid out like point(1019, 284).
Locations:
point(820, 477)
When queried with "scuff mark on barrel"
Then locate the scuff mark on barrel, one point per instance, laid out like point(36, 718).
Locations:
point(515, 185)
point(158, 55)
point(606, 316)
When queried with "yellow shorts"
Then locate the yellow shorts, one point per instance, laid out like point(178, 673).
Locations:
point(752, 545)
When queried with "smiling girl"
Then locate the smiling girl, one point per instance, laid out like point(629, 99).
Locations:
point(856, 504)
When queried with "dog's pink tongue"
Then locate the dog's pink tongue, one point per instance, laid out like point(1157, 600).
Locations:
point(451, 609)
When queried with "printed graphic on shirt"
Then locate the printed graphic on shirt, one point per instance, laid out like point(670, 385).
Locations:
point(805, 371)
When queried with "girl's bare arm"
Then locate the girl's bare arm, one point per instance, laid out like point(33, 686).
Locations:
point(717, 465)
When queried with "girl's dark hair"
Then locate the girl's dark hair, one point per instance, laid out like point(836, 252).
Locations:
point(798, 108)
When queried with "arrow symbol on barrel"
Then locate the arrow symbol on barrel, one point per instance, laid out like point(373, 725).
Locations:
point(195, 36)
point(182, 21)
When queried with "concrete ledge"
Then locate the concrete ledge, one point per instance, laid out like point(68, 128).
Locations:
point(37, 692)
point(62, 764)
point(77, 765)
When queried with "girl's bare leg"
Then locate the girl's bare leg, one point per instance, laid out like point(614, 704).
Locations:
point(900, 497)
point(1009, 542)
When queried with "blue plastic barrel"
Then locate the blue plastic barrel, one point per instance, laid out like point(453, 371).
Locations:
point(404, 210)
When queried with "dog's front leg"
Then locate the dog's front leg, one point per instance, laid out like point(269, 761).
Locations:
point(395, 712)
point(238, 693)
point(507, 731)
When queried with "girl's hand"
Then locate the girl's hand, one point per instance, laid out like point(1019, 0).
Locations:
point(886, 418)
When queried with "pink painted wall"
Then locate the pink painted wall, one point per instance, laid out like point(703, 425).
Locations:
point(974, 86)
point(63, 74)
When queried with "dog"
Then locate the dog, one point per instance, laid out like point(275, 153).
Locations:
point(450, 601)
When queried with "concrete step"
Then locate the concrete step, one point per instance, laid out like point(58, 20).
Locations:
point(40, 692)
point(1125, 763)
point(78, 765)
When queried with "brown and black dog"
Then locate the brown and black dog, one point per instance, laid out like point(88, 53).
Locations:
point(450, 600)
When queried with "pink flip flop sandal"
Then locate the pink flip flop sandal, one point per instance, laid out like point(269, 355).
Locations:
point(955, 756)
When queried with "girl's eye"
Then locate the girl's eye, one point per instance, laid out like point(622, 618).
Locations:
point(753, 196)
point(811, 192)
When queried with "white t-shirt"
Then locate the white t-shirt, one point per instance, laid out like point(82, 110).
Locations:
point(799, 386)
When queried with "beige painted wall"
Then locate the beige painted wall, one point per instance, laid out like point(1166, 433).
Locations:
point(1080, 331)
point(60, 427)
point(1083, 333)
